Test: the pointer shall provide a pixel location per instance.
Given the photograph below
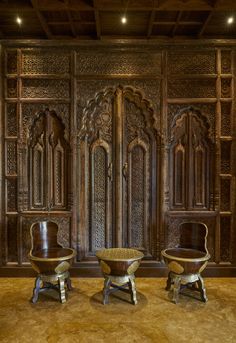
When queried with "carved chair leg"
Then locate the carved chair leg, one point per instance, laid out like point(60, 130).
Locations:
point(177, 283)
point(106, 288)
point(62, 291)
point(69, 285)
point(36, 290)
point(168, 282)
point(132, 288)
point(202, 288)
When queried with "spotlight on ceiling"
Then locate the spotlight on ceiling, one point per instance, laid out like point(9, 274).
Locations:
point(124, 20)
point(230, 20)
point(18, 20)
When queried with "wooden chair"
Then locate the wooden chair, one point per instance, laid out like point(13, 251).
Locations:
point(49, 259)
point(188, 260)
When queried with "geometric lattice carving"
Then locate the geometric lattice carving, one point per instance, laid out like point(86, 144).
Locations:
point(226, 118)
point(11, 158)
point(11, 192)
point(11, 120)
point(225, 195)
point(137, 196)
point(11, 62)
point(191, 89)
point(119, 62)
point(45, 62)
point(11, 88)
point(225, 237)
point(225, 157)
point(225, 61)
point(98, 201)
point(42, 88)
point(192, 62)
point(226, 88)
point(11, 224)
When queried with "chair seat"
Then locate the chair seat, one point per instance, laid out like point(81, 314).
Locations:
point(184, 254)
point(53, 254)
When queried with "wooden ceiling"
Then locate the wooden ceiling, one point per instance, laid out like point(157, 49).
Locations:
point(101, 19)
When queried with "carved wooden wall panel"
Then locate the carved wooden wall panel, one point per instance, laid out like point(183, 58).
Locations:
point(118, 63)
point(130, 137)
point(134, 141)
point(190, 161)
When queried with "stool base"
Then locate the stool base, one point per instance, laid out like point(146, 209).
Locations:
point(192, 281)
point(55, 281)
point(123, 283)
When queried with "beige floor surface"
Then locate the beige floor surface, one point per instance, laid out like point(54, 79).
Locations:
point(84, 319)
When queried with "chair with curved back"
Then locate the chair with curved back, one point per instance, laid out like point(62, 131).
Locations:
point(188, 260)
point(49, 259)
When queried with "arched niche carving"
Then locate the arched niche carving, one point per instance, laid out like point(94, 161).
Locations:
point(191, 161)
point(48, 162)
point(118, 156)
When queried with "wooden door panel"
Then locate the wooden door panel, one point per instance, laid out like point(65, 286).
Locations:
point(100, 197)
point(138, 195)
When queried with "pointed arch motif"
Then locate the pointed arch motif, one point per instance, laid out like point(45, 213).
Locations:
point(49, 162)
point(191, 160)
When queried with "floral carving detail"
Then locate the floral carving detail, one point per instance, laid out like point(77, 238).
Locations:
point(45, 88)
point(45, 62)
point(190, 89)
point(118, 63)
point(191, 62)
point(11, 120)
point(225, 61)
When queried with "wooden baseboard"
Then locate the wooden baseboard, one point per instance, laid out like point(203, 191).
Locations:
point(146, 269)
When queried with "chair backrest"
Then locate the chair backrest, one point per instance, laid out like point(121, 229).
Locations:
point(193, 235)
point(43, 236)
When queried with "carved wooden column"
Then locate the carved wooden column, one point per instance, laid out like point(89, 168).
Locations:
point(118, 166)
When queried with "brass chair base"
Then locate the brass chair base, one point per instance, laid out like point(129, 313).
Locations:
point(123, 283)
point(192, 281)
point(55, 281)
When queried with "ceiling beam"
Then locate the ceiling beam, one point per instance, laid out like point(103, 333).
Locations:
point(97, 19)
point(179, 23)
point(176, 24)
point(203, 28)
point(69, 16)
point(208, 18)
point(41, 19)
point(150, 23)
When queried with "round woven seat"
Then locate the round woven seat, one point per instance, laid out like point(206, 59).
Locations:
point(118, 266)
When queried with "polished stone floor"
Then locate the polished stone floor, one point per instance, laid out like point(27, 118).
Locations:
point(84, 319)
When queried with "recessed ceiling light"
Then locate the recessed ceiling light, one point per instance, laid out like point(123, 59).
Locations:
point(230, 20)
point(18, 20)
point(124, 20)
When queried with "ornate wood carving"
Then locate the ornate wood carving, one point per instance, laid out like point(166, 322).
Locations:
point(226, 88)
point(226, 61)
point(138, 140)
point(45, 88)
point(11, 120)
point(226, 119)
point(190, 161)
point(11, 61)
point(190, 88)
point(118, 63)
point(225, 157)
point(136, 163)
point(225, 238)
point(39, 61)
point(190, 62)
point(49, 162)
